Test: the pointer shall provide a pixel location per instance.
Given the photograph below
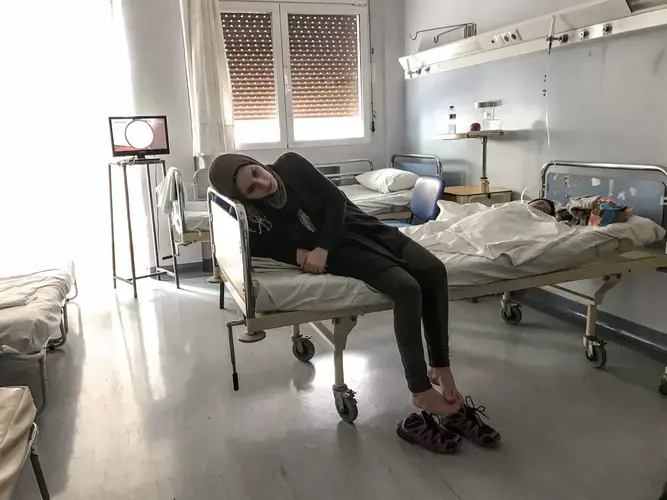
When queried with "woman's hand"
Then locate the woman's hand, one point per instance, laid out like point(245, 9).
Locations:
point(316, 261)
point(301, 255)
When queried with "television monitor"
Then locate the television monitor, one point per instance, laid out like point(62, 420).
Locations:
point(139, 135)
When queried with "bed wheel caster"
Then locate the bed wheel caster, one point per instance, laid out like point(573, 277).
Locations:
point(346, 405)
point(596, 355)
point(303, 349)
point(663, 387)
point(249, 338)
point(512, 315)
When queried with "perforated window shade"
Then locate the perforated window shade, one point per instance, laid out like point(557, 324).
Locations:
point(324, 64)
point(249, 49)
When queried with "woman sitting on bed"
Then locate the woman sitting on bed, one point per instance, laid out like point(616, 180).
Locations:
point(298, 216)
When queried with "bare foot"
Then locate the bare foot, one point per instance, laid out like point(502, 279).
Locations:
point(433, 402)
point(443, 379)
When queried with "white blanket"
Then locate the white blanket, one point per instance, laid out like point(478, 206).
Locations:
point(479, 245)
point(521, 233)
point(166, 192)
point(26, 328)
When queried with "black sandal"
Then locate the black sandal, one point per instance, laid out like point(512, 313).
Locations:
point(468, 423)
point(425, 430)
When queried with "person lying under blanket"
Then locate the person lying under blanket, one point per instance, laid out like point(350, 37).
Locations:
point(584, 211)
point(297, 216)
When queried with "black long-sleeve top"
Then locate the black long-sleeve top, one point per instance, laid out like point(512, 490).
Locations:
point(351, 236)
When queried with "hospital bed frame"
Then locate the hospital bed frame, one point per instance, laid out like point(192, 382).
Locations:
point(350, 176)
point(232, 252)
point(186, 238)
point(51, 345)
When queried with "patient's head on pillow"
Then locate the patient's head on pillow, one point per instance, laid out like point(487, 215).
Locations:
point(543, 205)
point(243, 178)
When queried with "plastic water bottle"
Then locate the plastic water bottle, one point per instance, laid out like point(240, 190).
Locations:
point(452, 121)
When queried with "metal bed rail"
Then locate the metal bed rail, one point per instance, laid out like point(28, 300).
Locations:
point(180, 195)
point(232, 249)
point(435, 159)
point(655, 172)
point(340, 176)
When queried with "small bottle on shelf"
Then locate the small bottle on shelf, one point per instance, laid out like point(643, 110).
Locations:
point(452, 121)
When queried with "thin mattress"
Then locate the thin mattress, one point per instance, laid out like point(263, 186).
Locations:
point(476, 250)
point(196, 218)
point(374, 203)
point(31, 307)
point(17, 414)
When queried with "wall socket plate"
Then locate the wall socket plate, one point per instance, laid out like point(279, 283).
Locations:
point(510, 37)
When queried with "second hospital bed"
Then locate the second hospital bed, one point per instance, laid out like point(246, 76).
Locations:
point(394, 205)
point(279, 298)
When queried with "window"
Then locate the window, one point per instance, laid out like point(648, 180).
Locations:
point(300, 73)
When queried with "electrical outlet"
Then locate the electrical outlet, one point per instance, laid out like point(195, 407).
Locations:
point(511, 37)
point(515, 36)
point(498, 40)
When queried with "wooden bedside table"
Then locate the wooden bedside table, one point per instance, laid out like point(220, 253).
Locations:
point(476, 194)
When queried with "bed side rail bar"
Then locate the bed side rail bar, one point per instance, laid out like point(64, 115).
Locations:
point(436, 161)
point(200, 183)
point(180, 193)
point(346, 175)
point(230, 245)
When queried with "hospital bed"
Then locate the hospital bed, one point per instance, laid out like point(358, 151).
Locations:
point(343, 300)
point(33, 313)
point(188, 220)
point(394, 205)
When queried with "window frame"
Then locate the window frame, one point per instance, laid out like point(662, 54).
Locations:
point(280, 12)
point(273, 9)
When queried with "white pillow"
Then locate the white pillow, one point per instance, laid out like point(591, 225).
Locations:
point(388, 180)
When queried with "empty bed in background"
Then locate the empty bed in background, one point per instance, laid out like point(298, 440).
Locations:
point(271, 297)
point(33, 313)
point(383, 205)
point(188, 220)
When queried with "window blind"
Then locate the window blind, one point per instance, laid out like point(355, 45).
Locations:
point(324, 64)
point(249, 48)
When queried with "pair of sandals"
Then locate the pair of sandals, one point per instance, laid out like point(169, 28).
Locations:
point(444, 435)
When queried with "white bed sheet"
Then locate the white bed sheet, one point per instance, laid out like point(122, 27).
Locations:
point(196, 217)
point(374, 203)
point(472, 257)
point(26, 329)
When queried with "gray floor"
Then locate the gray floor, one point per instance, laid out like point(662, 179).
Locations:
point(142, 408)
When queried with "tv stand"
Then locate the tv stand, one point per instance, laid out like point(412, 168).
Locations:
point(159, 271)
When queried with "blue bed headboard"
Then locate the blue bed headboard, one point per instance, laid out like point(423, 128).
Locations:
point(422, 165)
point(643, 187)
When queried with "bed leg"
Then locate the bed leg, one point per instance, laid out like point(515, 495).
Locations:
point(232, 352)
point(222, 295)
point(346, 404)
point(663, 383)
point(596, 352)
point(42, 380)
point(39, 473)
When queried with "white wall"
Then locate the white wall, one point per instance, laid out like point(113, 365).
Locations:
point(605, 102)
point(157, 64)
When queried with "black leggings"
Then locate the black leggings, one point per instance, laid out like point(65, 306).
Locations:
point(419, 292)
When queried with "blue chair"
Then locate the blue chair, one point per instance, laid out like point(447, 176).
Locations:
point(424, 203)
